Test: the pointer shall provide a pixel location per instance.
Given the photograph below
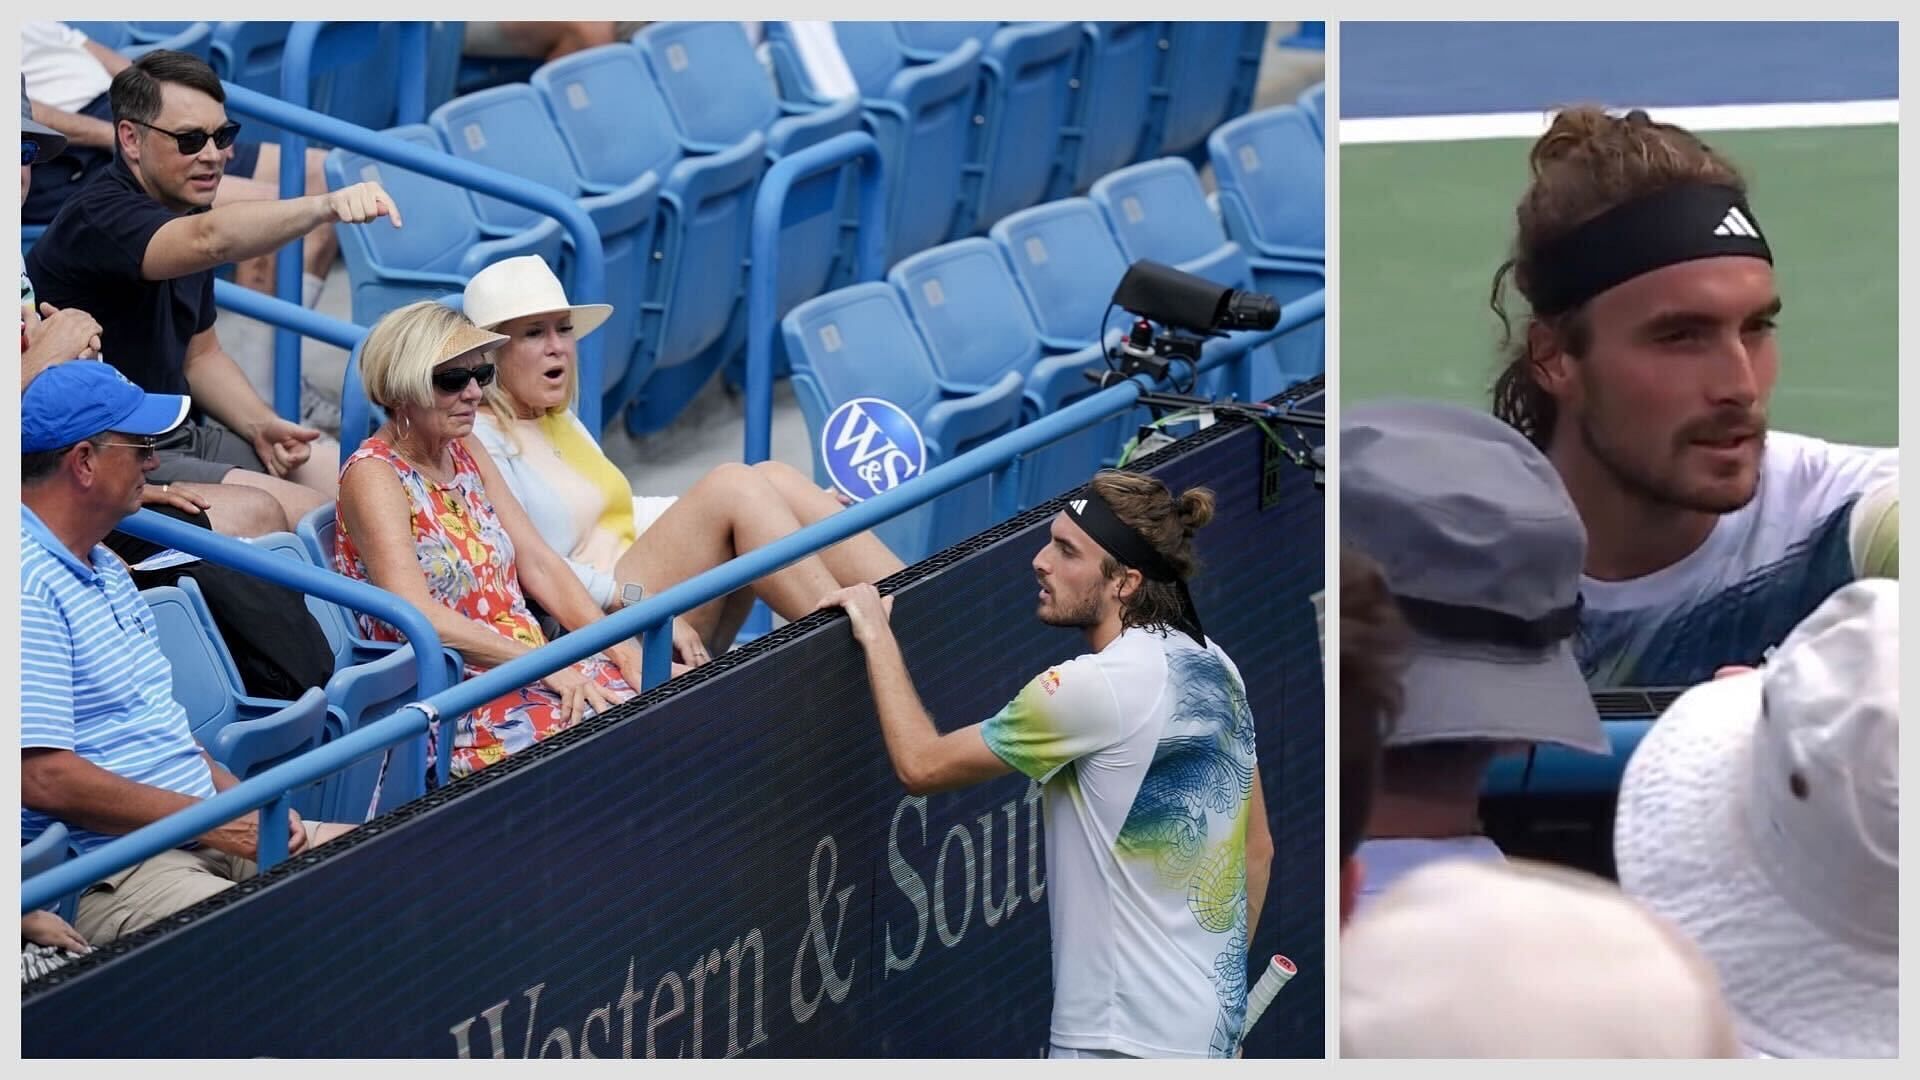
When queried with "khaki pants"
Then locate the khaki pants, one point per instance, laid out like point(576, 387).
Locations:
point(170, 882)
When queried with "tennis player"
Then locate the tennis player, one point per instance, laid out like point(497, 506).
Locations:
point(1158, 849)
point(1644, 368)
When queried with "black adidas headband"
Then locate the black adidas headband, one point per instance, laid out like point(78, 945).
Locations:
point(1091, 512)
point(1673, 225)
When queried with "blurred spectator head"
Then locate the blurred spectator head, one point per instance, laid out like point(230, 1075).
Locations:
point(1481, 548)
point(1761, 815)
point(38, 142)
point(1372, 650)
point(1469, 959)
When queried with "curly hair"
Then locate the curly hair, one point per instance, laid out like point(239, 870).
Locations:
point(1145, 505)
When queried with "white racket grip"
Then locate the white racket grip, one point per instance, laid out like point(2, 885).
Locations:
point(1278, 973)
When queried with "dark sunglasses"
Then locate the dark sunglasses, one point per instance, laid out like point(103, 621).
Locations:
point(29, 151)
point(192, 142)
point(147, 445)
point(454, 379)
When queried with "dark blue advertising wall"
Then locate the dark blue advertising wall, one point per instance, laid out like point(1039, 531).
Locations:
point(729, 867)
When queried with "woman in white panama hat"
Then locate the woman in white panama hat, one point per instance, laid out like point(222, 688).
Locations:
point(622, 546)
point(1761, 816)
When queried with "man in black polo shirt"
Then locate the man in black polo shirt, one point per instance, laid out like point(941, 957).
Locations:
point(137, 247)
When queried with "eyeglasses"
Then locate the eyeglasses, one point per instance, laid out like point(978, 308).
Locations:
point(192, 142)
point(454, 379)
point(147, 446)
point(29, 151)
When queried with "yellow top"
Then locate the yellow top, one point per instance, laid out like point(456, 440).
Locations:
point(580, 453)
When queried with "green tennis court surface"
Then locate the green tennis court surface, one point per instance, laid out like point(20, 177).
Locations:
point(1423, 225)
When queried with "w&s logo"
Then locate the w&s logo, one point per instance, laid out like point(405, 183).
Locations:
point(871, 446)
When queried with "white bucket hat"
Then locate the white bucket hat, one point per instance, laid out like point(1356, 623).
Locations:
point(1761, 815)
point(521, 286)
point(1467, 958)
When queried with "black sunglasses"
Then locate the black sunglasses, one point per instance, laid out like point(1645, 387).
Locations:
point(454, 379)
point(192, 142)
point(29, 151)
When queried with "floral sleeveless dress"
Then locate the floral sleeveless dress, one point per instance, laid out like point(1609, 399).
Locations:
point(467, 558)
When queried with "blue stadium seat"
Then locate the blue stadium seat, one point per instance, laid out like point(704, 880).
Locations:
point(924, 41)
point(46, 851)
point(247, 735)
point(1313, 101)
point(977, 328)
point(859, 342)
point(1207, 74)
point(1117, 64)
point(920, 115)
point(442, 245)
point(509, 128)
point(684, 290)
point(719, 94)
point(355, 74)
point(135, 39)
point(1026, 100)
point(371, 679)
point(1158, 211)
point(1271, 170)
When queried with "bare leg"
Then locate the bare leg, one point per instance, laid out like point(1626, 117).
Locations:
point(553, 40)
point(730, 511)
point(858, 558)
point(242, 512)
point(321, 472)
point(295, 501)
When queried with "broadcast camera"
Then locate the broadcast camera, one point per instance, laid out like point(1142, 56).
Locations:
point(1190, 308)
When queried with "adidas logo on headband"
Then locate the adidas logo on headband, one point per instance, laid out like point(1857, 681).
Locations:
point(1079, 506)
point(1736, 224)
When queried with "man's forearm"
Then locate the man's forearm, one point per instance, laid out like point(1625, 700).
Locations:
point(904, 723)
point(221, 389)
point(79, 130)
point(67, 786)
point(242, 230)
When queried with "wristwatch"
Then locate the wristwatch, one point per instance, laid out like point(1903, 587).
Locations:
point(631, 593)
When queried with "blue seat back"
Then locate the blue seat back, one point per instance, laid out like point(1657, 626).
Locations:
point(507, 128)
point(859, 342)
point(198, 658)
point(1067, 264)
point(1030, 98)
point(1120, 65)
point(708, 76)
point(976, 326)
point(610, 114)
point(924, 41)
point(333, 620)
point(1208, 74)
point(1273, 166)
point(873, 53)
point(1313, 101)
point(1158, 211)
point(433, 240)
point(924, 125)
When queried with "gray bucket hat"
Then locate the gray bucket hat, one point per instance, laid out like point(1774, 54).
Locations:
point(1483, 548)
point(51, 142)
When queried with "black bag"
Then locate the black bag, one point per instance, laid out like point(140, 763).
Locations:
point(276, 643)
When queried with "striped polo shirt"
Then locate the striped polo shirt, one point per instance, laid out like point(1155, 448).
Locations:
point(92, 677)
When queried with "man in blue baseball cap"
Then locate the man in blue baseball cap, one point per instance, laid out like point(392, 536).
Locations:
point(104, 747)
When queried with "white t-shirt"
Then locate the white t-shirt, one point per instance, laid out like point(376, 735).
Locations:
point(1764, 568)
point(58, 68)
point(1146, 752)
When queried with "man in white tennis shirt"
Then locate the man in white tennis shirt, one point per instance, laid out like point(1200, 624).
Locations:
point(1158, 849)
point(1644, 368)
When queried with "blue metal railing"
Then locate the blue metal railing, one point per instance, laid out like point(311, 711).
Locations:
point(290, 317)
point(271, 789)
point(763, 285)
point(649, 620)
point(589, 264)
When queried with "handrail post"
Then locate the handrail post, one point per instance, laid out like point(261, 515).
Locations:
point(410, 104)
point(763, 284)
point(296, 81)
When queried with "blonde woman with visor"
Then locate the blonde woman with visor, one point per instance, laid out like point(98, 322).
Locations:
point(623, 547)
point(425, 515)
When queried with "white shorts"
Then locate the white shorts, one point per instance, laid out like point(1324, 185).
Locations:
point(647, 510)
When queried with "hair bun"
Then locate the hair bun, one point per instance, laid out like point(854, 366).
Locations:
point(1195, 509)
